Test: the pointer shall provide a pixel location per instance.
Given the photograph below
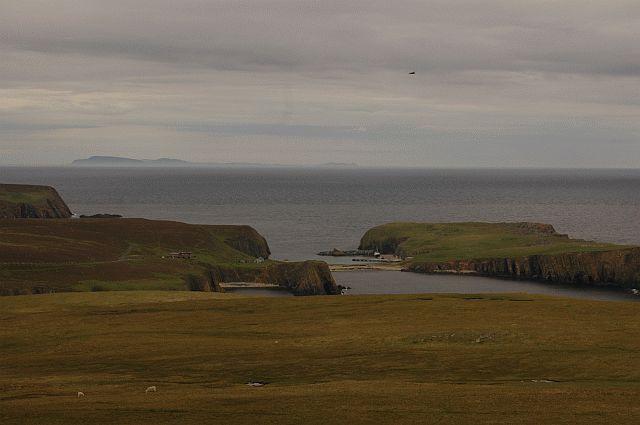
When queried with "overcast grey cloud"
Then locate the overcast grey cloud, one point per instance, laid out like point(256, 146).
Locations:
point(498, 83)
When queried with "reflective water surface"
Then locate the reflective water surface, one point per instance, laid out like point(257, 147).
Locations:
point(391, 282)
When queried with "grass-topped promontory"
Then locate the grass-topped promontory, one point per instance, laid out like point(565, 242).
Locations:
point(436, 242)
point(511, 250)
point(18, 193)
point(414, 359)
point(31, 201)
point(129, 254)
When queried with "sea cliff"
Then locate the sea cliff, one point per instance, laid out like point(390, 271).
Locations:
point(617, 268)
point(31, 201)
point(533, 251)
point(246, 239)
point(301, 278)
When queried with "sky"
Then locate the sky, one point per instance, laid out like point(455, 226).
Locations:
point(508, 83)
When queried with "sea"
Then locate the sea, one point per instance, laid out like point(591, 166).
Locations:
point(302, 211)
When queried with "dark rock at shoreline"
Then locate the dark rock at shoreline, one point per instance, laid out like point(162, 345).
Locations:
point(101, 216)
point(335, 252)
point(615, 267)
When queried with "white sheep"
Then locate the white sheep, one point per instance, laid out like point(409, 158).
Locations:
point(80, 394)
point(151, 389)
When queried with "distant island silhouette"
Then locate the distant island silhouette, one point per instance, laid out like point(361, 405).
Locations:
point(118, 161)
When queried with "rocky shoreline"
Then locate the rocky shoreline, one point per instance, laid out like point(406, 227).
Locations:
point(599, 265)
point(619, 268)
point(335, 252)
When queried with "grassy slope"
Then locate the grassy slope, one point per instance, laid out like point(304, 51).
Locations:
point(111, 253)
point(28, 194)
point(377, 359)
point(434, 242)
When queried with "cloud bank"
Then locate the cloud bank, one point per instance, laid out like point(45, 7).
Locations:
point(497, 83)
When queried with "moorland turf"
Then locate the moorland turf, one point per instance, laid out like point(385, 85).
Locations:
point(447, 359)
point(29, 194)
point(102, 254)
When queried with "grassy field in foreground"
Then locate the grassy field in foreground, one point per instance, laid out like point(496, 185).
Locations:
point(434, 242)
point(447, 359)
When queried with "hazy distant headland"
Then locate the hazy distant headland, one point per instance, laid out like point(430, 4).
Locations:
point(117, 161)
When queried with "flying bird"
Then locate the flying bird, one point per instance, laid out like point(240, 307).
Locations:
point(412, 73)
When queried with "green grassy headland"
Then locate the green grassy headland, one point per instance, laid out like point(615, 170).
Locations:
point(439, 242)
point(104, 254)
point(22, 201)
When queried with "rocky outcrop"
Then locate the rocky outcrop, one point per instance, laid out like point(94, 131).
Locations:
point(335, 252)
point(301, 278)
point(29, 201)
point(619, 267)
point(101, 215)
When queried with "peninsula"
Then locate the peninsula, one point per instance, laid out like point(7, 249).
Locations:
point(104, 252)
point(510, 250)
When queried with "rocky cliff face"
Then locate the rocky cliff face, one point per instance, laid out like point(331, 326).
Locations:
point(28, 201)
point(617, 267)
point(301, 278)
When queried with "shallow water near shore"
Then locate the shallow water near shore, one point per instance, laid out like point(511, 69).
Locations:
point(393, 282)
point(381, 282)
point(259, 292)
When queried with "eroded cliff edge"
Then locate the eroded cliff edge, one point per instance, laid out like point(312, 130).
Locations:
point(617, 268)
point(531, 251)
point(301, 278)
point(31, 201)
point(247, 240)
